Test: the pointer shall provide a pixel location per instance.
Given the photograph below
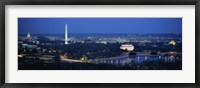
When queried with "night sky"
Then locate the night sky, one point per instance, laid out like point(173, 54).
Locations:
point(99, 25)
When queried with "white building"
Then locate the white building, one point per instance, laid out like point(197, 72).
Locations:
point(66, 34)
point(128, 47)
point(172, 43)
point(28, 35)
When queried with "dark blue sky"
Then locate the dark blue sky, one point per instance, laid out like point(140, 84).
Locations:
point(99, 25)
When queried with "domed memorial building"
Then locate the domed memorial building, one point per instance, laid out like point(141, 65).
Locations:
point(128, 47)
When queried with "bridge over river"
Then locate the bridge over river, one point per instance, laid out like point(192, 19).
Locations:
point(140, 57)
point(122, 57)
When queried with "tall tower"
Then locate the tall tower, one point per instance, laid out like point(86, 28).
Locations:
point(66, 34)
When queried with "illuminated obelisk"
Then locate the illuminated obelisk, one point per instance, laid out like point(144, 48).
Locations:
point(66, 34)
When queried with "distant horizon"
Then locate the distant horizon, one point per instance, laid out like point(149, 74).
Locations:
point(99, 25)
point(103, 33)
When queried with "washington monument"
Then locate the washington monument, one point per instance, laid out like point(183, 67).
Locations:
point(66, 34)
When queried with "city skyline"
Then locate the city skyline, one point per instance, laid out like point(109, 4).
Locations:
point(124, 44)
point(100, 25)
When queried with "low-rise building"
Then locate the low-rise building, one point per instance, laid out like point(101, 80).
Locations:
point(128, 47)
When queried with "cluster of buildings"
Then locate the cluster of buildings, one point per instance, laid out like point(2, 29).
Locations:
point(33, 42)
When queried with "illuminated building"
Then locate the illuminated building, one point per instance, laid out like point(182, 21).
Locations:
point(103, 42)
point(172, 43)
point(128, 47)
point(20, 56)
point(37, 42)
point(28, 35)
point(66, 35)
